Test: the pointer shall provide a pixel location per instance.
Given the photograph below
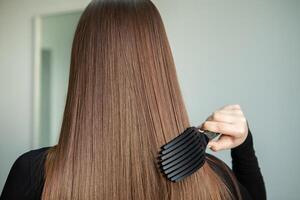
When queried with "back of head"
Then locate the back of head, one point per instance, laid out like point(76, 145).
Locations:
point(123, 103)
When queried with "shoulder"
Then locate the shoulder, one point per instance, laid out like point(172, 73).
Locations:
point(32, 155)
point(224, 172)
point(227, 175)
point(220, 167)
point(29, 159)
point(25, 174)
point(216, 163)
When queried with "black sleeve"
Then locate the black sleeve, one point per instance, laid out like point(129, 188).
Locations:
point(18, 180)
point(246, 169)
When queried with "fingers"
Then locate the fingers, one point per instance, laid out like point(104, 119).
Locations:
point(221, 116)
point(231, 107)
point(232, 112)
point(222, 127)
point(231, 123)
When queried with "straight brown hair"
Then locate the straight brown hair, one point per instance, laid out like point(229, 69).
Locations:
point(123, 103)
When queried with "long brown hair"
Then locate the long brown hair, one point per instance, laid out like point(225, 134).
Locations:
point(123, 103)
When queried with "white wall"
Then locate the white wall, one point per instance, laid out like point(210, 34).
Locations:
point(233, 51)
point(16, 73)
point(57, 36)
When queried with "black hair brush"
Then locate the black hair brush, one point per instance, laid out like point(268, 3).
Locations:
point(185, 154)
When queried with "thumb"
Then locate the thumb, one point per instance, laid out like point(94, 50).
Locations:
point(210, 144)
point(224, 142)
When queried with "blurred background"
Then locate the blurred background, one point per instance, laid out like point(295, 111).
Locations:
point(243, 52)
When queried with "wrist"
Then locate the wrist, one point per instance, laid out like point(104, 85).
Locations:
point(247, 144)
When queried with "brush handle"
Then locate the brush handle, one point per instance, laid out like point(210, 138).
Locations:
point(211, 135)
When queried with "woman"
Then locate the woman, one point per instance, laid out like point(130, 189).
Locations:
point(123, 103)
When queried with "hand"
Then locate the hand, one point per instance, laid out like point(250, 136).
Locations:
point(231, 123)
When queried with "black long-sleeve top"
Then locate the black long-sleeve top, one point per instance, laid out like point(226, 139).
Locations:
point(25, 180)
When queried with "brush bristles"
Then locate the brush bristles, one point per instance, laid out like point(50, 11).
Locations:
point(183, 155)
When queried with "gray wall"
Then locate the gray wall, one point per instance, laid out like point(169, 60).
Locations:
point(245, 52)
point(232, 51)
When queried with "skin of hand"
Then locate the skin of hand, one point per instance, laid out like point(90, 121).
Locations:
point(231, 123)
